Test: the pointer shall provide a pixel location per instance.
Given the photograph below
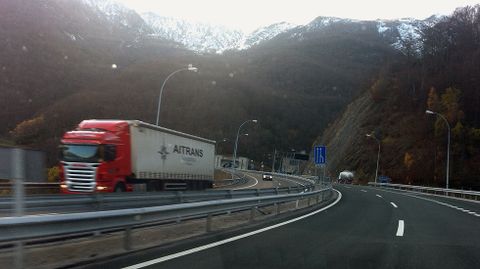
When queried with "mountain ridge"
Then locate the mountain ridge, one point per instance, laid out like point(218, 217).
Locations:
point(208, 38)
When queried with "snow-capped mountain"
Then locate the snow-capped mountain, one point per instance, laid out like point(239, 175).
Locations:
point(402, 34)
point(323, 22)
point(119, 15)
point(405, 34)
point(266, 33)
point(197, 36)
point(204, 37)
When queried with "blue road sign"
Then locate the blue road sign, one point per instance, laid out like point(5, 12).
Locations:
point(320, 154)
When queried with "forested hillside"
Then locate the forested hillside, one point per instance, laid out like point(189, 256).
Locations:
point(442, 75)
point(64, 62)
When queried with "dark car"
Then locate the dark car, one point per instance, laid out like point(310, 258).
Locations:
point(384, 179)
point(267, 176)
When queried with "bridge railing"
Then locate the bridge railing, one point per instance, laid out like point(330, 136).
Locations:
point(465, 194)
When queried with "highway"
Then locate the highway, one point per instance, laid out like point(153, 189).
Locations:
point(255, 181)
point(367, 228)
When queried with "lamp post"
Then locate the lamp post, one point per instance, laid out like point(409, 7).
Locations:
point(236, 142)
point(378, 155)
point(189, 68)
point(273, 161)
point(448, 143)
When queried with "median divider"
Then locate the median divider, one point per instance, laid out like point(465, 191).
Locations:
point(228, 210)
point(105, 201)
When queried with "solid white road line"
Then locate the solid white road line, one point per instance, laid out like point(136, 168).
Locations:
point(401, 228)
point(228, 240)
point(393, 204)
point(379, 196)
point(254, 184)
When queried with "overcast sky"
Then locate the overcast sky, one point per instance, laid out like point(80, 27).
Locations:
point(248, 15)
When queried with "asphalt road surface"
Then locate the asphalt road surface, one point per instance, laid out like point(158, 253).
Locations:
point(255, 181)
point(367, 228)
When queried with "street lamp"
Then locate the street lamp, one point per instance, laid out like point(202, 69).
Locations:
point(448, 143)
point(378, 155)
point(188, 68)
point(236, 142)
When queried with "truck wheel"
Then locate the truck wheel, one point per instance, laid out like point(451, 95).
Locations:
point(120, 187)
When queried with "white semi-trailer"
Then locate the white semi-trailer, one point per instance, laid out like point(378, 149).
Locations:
point(113, 155)
point(346, 177)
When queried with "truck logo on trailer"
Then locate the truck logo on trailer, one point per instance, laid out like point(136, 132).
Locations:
point(185, 150)
point(163, 152)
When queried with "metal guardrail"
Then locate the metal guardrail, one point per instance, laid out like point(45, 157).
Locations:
point(104, 201)
point(42, 226)
point(107, 201)
point(466, 194)
point(187, 205)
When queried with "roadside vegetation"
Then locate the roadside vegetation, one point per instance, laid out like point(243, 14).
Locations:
point(441, 74)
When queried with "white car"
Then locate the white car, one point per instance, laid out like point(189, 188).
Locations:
point(267, 176)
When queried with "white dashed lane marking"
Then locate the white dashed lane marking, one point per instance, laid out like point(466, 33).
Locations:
point(401, 228)
point(470, 212)
point(460, 209)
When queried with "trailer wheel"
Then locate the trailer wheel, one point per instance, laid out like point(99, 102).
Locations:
point(120, 187)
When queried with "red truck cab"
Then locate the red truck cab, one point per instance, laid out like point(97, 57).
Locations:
point(96, 157)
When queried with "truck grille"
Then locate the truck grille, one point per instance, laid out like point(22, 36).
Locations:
point(80, 176)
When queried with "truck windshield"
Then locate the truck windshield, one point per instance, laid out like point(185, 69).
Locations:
point(79, 153)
